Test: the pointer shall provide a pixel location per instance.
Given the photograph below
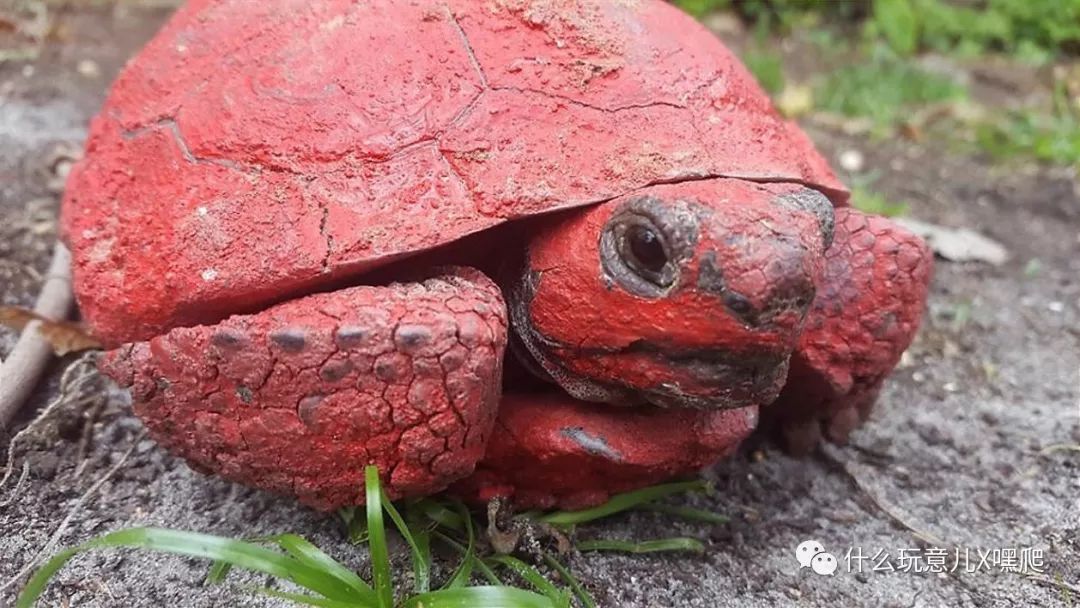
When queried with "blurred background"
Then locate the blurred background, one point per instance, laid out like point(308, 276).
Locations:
point(996, 79)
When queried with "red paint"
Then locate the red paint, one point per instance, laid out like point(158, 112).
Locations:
point(552, 451)
point(300, 397)
point(865, 316)
point(755, 242)
point(256, 152)
point(280, 146)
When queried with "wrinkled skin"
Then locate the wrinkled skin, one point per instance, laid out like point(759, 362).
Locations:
point(506, 277)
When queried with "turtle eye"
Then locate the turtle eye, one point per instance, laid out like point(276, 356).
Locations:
point(643, 244)
point(646, 249)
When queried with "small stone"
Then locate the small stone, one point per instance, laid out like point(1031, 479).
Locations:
point(89, 68)
point(852, 161)
point(1056, 306)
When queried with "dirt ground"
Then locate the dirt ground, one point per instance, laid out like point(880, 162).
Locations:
point(960, 451)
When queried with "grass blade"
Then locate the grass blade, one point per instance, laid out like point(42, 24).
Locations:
point(463, 573)
point(534, 578)
point(689, 513)
point(306, 553)
point(421, 566)
point(380, 556)
point(36, 585)
point(479, 597)
point(355, 526)
point(191, 544)
point(484, 569)
point(622, 502)
point(218, 571)
point(308, 600)
point(571, 581)
point(440, 514)
point(647, 546)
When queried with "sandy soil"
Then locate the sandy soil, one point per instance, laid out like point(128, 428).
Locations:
point(959, 450)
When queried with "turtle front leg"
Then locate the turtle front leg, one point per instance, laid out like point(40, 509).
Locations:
point(863, 318)
point(550, 450)
point(299, 398)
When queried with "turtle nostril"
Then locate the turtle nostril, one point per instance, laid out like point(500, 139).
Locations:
point(795, 294)
point(739, 304)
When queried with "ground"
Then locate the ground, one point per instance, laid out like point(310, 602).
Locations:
point(968, 449)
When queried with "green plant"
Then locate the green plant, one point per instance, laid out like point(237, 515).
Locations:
point(767, 67)
point(885, 88)
point(1035, 30)
point(876, 203)
point(322, 581)
point(700, 8)
point(1031, 29)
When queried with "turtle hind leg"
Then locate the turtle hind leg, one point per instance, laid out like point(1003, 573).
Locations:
point(299, 398)
point(864, 316)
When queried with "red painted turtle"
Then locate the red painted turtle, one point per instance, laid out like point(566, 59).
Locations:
point(316, 234)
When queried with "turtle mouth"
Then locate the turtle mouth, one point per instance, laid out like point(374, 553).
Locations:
point(718, 380)
point(707, 379)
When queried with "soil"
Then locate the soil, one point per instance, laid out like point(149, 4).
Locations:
point(968, 447)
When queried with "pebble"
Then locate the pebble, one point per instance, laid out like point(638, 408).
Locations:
point(852, 161)
point(1056, 306)
point(88, 68)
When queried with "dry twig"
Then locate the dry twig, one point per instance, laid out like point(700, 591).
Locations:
point(54, 539)
point(19, 374)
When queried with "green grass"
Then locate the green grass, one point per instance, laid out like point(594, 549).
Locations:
point(767, 67)
point(1031, 30)
point(1053, 137)
point(314, 578)
point(870, 201)
point(885, 88)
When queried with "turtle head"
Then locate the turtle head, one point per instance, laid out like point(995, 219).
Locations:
point(683, 295)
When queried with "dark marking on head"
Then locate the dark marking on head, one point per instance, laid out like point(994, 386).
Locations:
point(409, 338)
point(230, 339)
point(335, 370)
point(308, 409)
point(290, 339)
point(710, 278)
point(350, 336)
point(816, 203)
point(244, 394)
point(592, 444)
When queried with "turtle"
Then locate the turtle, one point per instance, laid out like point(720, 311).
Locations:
point(543, 250)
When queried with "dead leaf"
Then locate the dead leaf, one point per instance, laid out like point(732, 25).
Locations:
point(64, 336)
point(957, 244)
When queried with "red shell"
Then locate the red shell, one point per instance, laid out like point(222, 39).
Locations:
point(256, 150)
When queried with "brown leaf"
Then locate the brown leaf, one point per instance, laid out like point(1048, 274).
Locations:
point(64, 336)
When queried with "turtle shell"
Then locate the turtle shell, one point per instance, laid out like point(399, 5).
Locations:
point(257, 150)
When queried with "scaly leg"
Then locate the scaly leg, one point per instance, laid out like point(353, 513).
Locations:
point(862, 320)
point(300, 397)
point(551, 450)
